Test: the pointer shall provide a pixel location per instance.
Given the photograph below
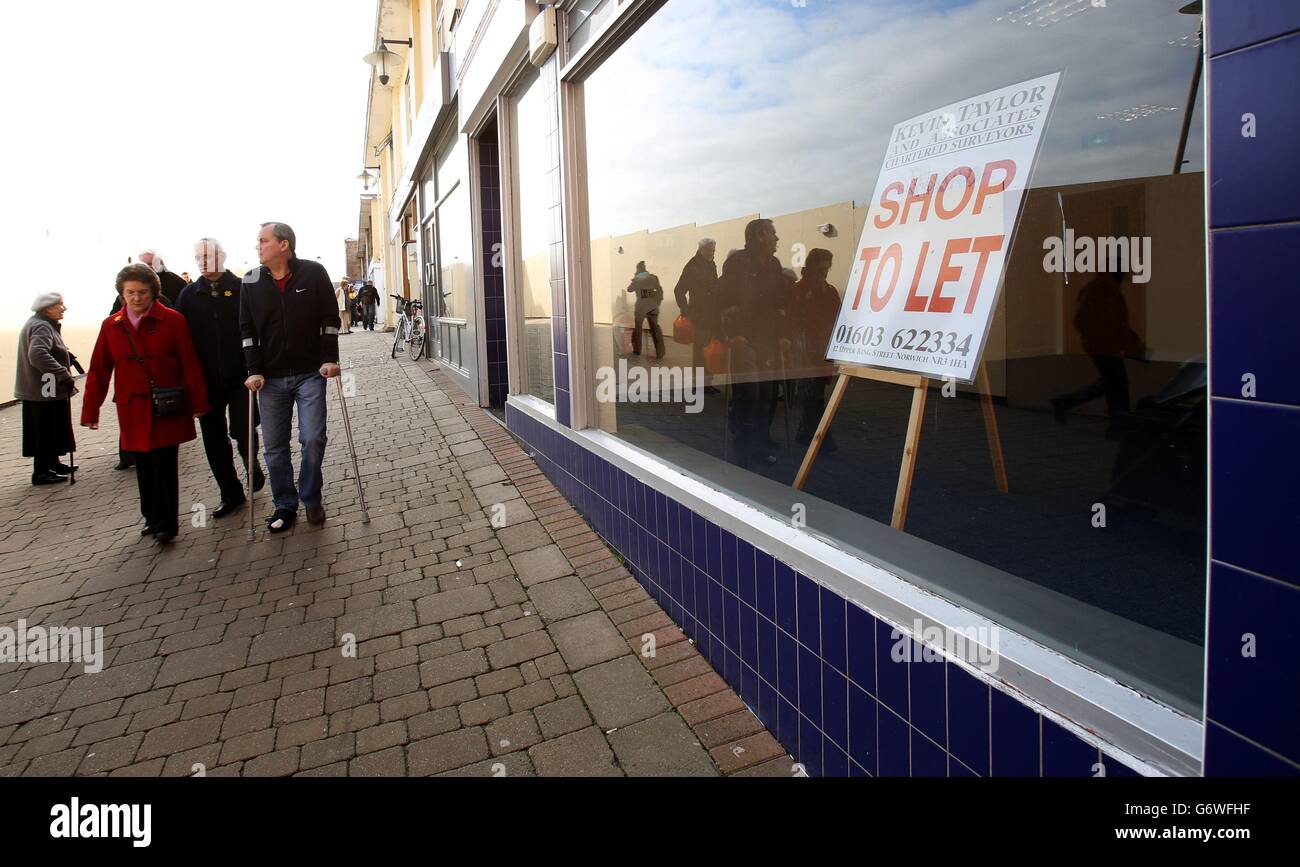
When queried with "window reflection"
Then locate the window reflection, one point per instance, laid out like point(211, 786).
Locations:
point(533, 205)
point(1098, 379)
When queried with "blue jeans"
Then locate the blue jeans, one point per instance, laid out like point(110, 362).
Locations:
point(276, 403)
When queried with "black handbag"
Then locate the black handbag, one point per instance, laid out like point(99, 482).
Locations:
point(167, 401)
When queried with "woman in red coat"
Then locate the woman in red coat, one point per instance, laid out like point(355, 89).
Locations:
point(167, 356)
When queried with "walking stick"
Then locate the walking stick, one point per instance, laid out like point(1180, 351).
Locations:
point(72, 431)
point(252, 456)
point(356, 472)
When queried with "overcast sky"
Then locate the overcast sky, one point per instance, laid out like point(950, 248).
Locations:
point(721, 108)
point(151, 123)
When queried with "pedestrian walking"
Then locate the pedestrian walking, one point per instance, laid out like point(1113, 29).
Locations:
point(45, 384)
point(289, 321)
point(210, 306)
point(158, 388)
point(343, 295)
point(368, 300)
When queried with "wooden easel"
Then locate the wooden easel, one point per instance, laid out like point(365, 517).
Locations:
point(920, 386)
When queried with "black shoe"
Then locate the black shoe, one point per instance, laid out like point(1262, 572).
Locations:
point(281, 521)
point(147, 531)
point(225, 508)
point(316, 515)
point(123, 465)
point(63, 469)
point(48, 478)
point(164, 537)
point(259, 479)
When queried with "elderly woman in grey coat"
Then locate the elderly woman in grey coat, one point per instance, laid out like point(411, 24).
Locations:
point(45, 385)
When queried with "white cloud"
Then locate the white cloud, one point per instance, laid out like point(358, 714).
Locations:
point(151, 123)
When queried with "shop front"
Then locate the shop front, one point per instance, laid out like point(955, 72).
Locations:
point(875, 337)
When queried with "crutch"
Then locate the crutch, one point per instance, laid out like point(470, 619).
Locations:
point(72, 438)
point(352, 447)
point(252, 457)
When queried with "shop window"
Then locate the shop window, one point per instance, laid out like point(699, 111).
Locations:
point(714, 115)
point(533, 207)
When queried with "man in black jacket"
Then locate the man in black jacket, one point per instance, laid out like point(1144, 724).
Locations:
point(695, 294)
point(211, 307)
point(289, 320)
point(752, 294)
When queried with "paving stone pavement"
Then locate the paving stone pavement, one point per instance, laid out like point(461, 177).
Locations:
point(480, 650)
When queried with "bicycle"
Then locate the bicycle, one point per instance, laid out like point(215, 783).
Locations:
point(410, 328)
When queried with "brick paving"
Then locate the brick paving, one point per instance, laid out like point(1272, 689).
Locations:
point(480, 650)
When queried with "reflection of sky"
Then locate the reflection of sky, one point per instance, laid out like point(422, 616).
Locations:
point(720, 108)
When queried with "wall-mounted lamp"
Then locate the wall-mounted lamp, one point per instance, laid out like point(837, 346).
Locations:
point(368, 174)
point(384, 60)
point(828, 229)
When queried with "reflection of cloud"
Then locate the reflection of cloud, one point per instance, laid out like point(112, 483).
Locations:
point(724, 107)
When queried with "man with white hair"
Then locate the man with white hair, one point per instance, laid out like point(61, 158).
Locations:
point(172, 284)
point(211, 307)
point(696, 296)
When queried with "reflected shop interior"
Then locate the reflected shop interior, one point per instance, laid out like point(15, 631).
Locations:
point(718, 113)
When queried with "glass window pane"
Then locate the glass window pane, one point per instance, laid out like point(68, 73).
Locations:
point(456, 253)
point(533, 205)
point(1095, 376)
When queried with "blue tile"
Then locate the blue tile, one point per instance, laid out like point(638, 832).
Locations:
point(835, 706)
point(731, 666)
point(810, 747)
point(928, 760)
point(835, 760)
point(764, 585)
point(833, 629)
point(1253, 677)
point(687, 537)
point(810, 685)
point(1253, 180)
point(730, 620)
point(1014, 738)
point(862, 648)
point(729, 579)
point(957, 769)
point(809, 613)
point(788, 726)
point(1240, 23)
point(748, 635)
point(767, 650)
point(1256, 466)
point(856, 770)
point(929, 700)
point(862, 729)
point(767, 709)
point(1115, 768)
point(787, 666)
point(745, 573)
point(1227, 755)
point(749, 685)
point(715, 602)
point(1065, 755)
point(968, 719)
point(700, 543)
point(786, 605)
point(672, 507)
point(891, 668)
point(893, 749)
point(713, 551)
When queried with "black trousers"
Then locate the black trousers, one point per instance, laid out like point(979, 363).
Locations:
point(651, 316)
point(226, 404)
point(753, 400)
point(157, 475)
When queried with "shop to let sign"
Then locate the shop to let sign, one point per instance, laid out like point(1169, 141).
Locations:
point(927, 269)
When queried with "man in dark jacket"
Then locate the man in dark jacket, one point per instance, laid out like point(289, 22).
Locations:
point(649, 295)
point(211, 307)
point(695, 296)
point(368, 301)
point(752, 292)
point(289, 320)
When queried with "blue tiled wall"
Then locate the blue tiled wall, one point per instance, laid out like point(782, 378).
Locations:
point(1252, 668)
point(818, 670)
point(494, 306)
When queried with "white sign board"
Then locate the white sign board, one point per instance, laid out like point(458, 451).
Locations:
point(927, 270)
